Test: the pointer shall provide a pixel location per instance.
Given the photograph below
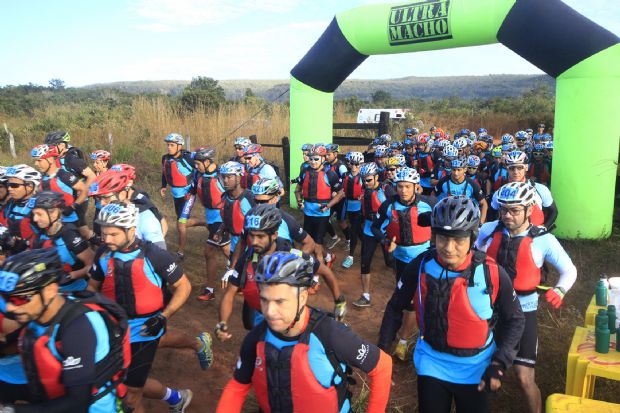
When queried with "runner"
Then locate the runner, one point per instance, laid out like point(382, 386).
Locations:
point(101, 163)
point(302, 349)
point(261, 226)
point(177, 170)
point(87, 374)
point(332, 162)
point(460, 360)
point(352, 186)
point(132, 273)
point(522, 249)
point(75, 255)
point(23, 182)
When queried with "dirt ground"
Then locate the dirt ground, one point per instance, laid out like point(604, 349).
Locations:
point(179, 368)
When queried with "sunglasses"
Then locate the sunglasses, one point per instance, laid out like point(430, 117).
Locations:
point(368, 180)
point(263, 201)
point(315, 158)
point(17, 300)
point(239, 148)
point(512, 212)
point(354, 164)
point(247, 158)
point(391, 169)
point(14, 185)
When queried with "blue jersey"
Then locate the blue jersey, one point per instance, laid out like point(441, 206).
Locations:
point(11, 368)
point(447, 187)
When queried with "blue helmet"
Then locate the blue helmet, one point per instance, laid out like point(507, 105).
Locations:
point(396, 145)
point(537, 137)
point(459, 163)
point(482, 131)
point(407, 175)
point(509, 147)
point(521, 135)
point(408, 131)
point(547, 137)
point(539, 147)
point(175, 138)
point(507, 138)
point(232, 168)
point(381, 151)
point(369, 169)
point(473, 161)
point(549, 145)
point(283, 267)
point(450, 151)
point(464, 132)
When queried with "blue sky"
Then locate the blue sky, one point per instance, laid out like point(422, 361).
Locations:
point(85, 42)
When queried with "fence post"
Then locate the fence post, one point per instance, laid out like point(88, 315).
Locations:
point(110, 140)
point(252, 138)
point(384, 123)
point(11, 141)
point(286, 156)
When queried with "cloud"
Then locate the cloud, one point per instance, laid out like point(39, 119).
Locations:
point(172, 15)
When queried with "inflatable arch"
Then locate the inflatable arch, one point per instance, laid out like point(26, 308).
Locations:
point(582, 56)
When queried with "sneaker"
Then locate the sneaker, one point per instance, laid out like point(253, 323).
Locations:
point(348, 262)
point(401, 350)
point(205, 354)
point(207, 295)
point(347, 245)
point(186, 399)
point(362, 302)
point(332, 259)
point(331, 242)
point(181, 255)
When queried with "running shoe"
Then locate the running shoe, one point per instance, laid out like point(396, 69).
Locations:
point(205, 354)
point(347, 245)
point(331, 242)
point(332, 259)
point(186, 399)
point(362, 302)
point(401, 350)
point(181, 255)
point(207, 295)
point(348, 262)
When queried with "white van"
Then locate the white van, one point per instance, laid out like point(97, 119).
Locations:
point(372, 115)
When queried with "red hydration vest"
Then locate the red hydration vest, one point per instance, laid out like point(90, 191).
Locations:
point(130, 287)
point(404, 226)
point(515, 255)
point(52, 185)
point(209, 192)
point(445, 314)
point(425, 166)
point(173, 174)
point(44, 369)
point(232, 215)
point(315, 188)
point(352, 186)
point(370, 203)
point(49, 243)
point(252, 177)
point(299, 390)
point(248, 285)
point(540, 171)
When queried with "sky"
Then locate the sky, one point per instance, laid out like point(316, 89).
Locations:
point(86, 42)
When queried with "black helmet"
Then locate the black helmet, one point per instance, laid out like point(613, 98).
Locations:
point(455, 216)
point(283, 267)
point(49, 200)
point(30, 271)
point(203, 153)
point(7, 241)
point(263, 217)
point(332, 147)
point(54, 138)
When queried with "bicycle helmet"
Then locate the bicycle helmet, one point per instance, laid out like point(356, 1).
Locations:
point(496, 152)
point(381, 151)
point(460, 143)
point(355, 157)
point(30, 271)
point(267, 186)
point(242, 141)
point(44, 152)
point(456, 216)
point(204, 153)
point(473, 161)
point(109, 182)
point(433, 128)
point(396, 145)
point(253, 149)
point(396, 160)
point(509, 147)
point(459, 163)
point(283, 267)
point(175, 138)
point(517, 193)
point(549, 145)
point(481, 146)
point(529, 131)
point(516, 158)
point(408, 143)
point(537, 137)
point(450, 151)
point(541, 125)
point(118, 214)
point(130, 170)
point(54, 138)
point(332, 147)
point(547, 137)
point(3, 177)
point(521, 135)
point(306, 147)
point(263, 217)
point(539, 147)
point(7, 241)
point(25, 173)
point(369, 169)
point(319, 150)
point(232, 168)
point(507, 138)
point(101, 155)
point(407, 175)
point(386, 137)
point(49, 200)
point(422, 139)
point(441, 143)
point(482, 131)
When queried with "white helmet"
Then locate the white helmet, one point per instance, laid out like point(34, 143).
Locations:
point(25, 173)
point(517, 193)
point(460, 143)
point(355, 157)
point(369, 169)
point(175, 138)
point(242, 141)
point(232, 168)
point(407, 175)
point(118, 214)
point(515, 158)
point(450, 151)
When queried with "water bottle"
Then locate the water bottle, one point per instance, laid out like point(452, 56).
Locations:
point(611, 314)
point(601, 332)
point(601, 293)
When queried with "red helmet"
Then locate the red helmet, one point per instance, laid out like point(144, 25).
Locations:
point(252, 149)
point(100, 155)
point(44, 152)
point(109, 182)
point(130, 170)
point(319, 149)
point(423, 138)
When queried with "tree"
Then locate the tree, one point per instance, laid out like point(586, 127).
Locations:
point(203, 92)
point(381, 96)
point(57, 84)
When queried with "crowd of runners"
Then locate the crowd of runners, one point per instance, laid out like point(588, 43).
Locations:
point(462, 222)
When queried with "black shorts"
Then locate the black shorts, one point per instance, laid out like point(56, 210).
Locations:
point(316, 227)
point(142, 356)
point(10, 393)
point(224, 237)
point(179, 203)
point(81, 210)
point(339, 211)
point(369, 246)
point(528, 347)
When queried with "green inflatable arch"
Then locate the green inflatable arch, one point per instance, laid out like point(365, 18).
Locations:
point(582, 56)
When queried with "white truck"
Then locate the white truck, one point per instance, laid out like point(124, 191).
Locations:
point(372, 115)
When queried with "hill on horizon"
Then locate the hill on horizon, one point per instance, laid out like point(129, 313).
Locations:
point(466, 87)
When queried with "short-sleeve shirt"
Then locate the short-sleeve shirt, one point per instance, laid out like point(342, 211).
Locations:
point(447, 187)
